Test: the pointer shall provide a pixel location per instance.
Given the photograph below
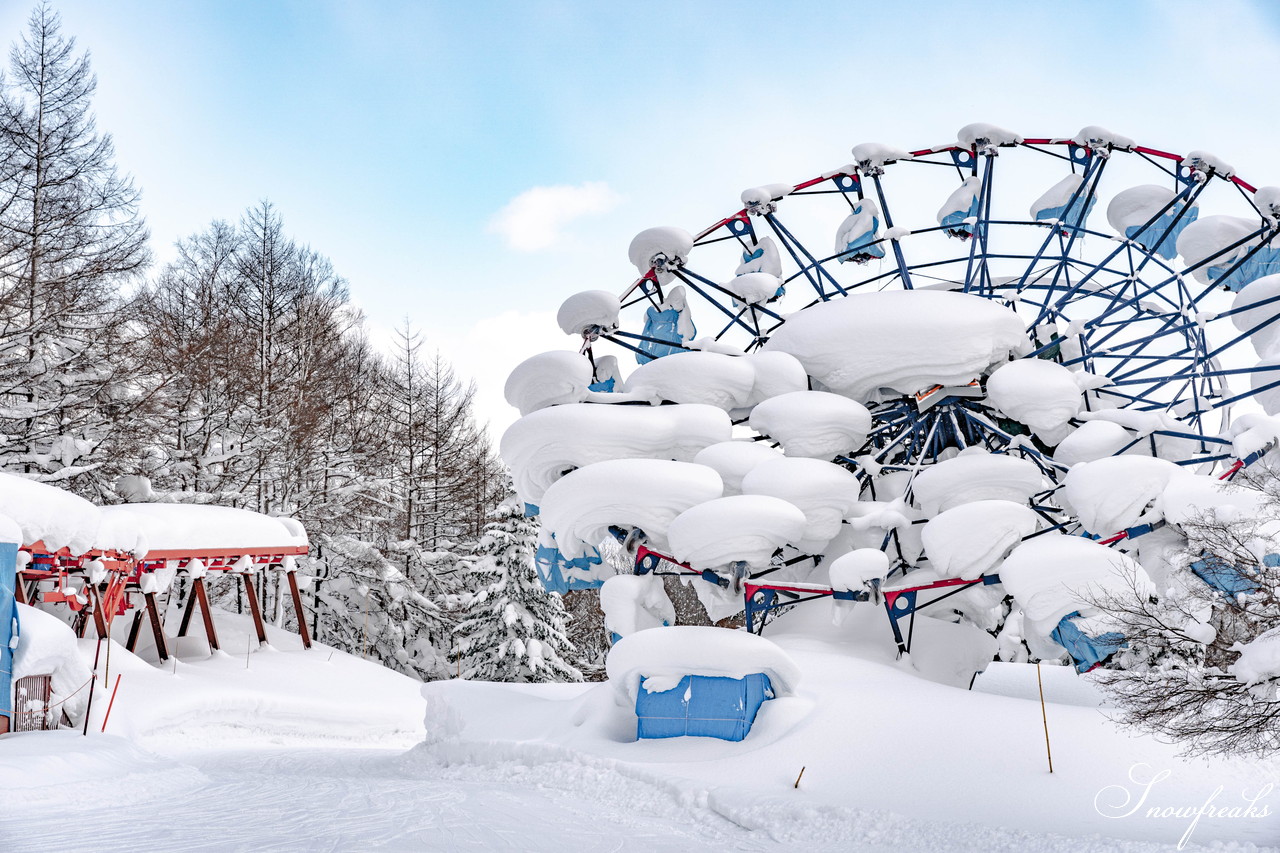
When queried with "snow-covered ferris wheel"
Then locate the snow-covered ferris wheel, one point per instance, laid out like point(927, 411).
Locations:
point(859, 354)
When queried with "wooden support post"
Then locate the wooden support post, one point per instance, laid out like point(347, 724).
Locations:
point(132, 642)
point(297, 610)
point(157, 628)
point(99, 611)
point(197, 587)
point(20, 589)
point(187, 611)
point(252, 595)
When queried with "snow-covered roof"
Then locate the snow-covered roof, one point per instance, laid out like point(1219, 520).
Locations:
point(195, 527)
point(906, 340)
point(47, 514)
point(662, 656)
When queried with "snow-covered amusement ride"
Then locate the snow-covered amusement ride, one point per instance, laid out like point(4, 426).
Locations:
point(990, 378)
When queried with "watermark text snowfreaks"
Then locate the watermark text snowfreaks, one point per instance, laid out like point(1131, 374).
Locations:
point(1137, 800)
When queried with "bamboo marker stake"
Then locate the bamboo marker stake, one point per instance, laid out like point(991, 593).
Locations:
point(1043, 716)
point(797, 784)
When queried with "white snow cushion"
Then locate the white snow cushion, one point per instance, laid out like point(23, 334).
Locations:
point(850, 572)
point(634, 603)
point(747, 528)
point(589, 308)
point(1113, 494)
point(719, 380)
point(629, 493)
point(902, 341)
point(734, 459)
point(976, 475)
point(1092, 440)
point(1053, 575)
point(826, 493)
point(1042, 394)
point(544, 445)
point(1255, 310)
point(817, 424)
point(971, 539)
point(548, 379)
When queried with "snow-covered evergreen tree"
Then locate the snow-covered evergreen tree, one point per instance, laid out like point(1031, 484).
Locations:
point(511, 629)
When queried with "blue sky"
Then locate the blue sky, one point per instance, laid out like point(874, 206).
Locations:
point(469, 165)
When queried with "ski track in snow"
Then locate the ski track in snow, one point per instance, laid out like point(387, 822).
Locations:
point(337, 800)
point(360, 799)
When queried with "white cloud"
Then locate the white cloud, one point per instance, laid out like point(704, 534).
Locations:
point(534, 219)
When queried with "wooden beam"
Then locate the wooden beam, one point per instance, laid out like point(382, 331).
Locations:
point(99, 614)
point(211, 633)
point(187, 611)
point(20, 589)
point(252, 595)
point(297, 610)
point(157, 627)
point(132, 642)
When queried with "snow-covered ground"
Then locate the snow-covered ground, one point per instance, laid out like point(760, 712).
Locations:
point(320, 750)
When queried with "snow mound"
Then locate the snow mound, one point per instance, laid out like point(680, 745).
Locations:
point(48, 514)
point(763, 258)
point(663, 656)
point(985, 138)
point(971, 539)
point(1113, 494)
point(976, 475)
point(760, 200)
point(900, 341)
point(10, 532)
point(1055, 575)
point(871, 156)
point(1042, 394)
point(588, 310)
point(1267, 200)
point(851, 572)
point(1192, 496)
point(548, 379)
point(633, 603)
point(1258, 305)
point(659, 249)
point(733, 460)
point(544, 445)
point(644, 494)
point(1251, 432)
point(776, 373)
point(753, 288)
point(713, 378)
point(816, 424)
point(1259, 659)
point(746, 528)
point(1209, 235)
point(1204, 161)
point(1136, 206)
point(47, 646)
point(1092, 440)
point(1094, 136)
point(824, 492)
